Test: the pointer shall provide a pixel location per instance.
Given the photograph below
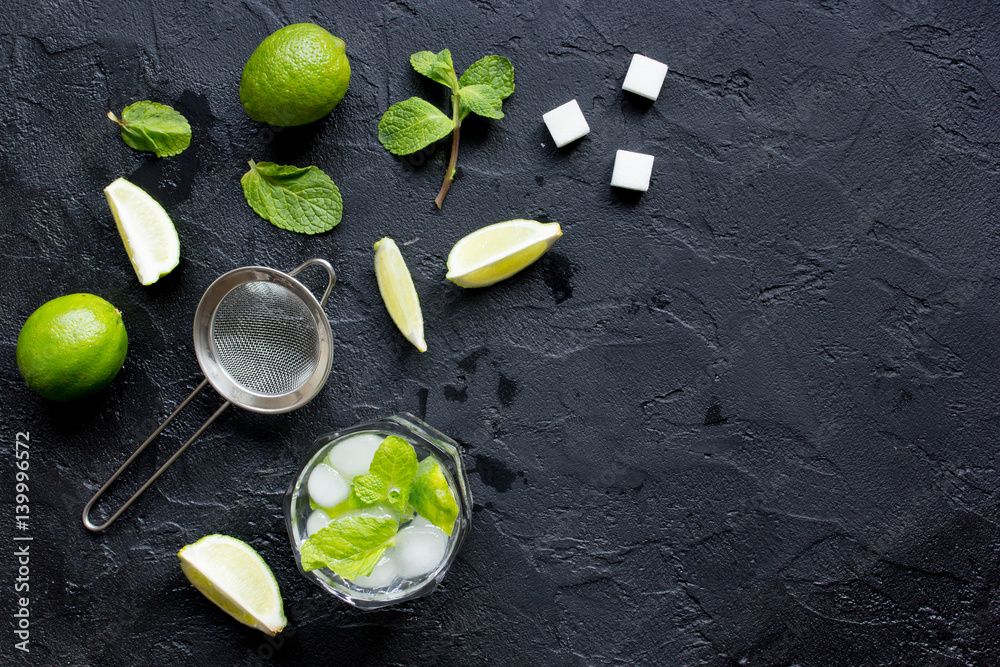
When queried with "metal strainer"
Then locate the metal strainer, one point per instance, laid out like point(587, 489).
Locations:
point(262, 341)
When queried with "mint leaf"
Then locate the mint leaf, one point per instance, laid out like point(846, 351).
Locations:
point(395, 462)
point(352, 503)
point(437, 66)
point(493, 71)
point(432, 496)
point(153, 127)
point(345, 545)
point(369, 489)
point(299, 199)
point(481, 100)
point(412, 124)
point(361, 566)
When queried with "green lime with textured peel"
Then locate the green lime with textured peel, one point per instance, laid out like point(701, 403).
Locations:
point(296, 76)
point(72, 347)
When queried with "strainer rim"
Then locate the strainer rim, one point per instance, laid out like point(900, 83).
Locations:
point(221, 380)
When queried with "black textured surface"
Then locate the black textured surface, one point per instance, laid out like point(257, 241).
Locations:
point(748, 418)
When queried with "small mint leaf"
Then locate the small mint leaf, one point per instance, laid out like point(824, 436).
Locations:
point(437, 66)
point(481, 100)
point(493, 71)
point(157, 128)
point(361, 566)
point(395, 462)
point(369, 489)
point(412, 124)
point(300, 199)
point(345, 544)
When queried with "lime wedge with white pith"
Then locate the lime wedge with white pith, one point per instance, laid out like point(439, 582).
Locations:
point(149, 235)
point(492, 253)
point(232, 575)
point(398, 292)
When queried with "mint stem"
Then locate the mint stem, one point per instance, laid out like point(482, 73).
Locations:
point(449, 174)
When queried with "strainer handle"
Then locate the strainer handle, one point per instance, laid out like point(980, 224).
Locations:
point(128, 503)
point(329, 270)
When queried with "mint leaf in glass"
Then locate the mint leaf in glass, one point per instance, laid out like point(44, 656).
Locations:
point(299, 199)
point(369, 489)
point(411, 125)
point(437, 66)
point(395, 462)
point(493, 71)
point(351, 547)
point(157, 128)
point(432, 496)
point(361, 566)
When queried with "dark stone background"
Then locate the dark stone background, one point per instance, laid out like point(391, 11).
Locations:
point(748, 418)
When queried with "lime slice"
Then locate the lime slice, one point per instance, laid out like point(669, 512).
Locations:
point(232, 575)
point(398, 292)
point(495, 252)
point(149, 235)
point(432, 496)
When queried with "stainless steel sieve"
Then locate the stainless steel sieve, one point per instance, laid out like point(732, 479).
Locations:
point(262, 341)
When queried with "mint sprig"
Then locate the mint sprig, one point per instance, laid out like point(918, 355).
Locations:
point(300, 199)
point(351, 546)
point(413, 124)
point(153, 127)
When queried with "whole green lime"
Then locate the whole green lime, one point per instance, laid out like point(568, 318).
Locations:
point(72, 347)
point(296, 75)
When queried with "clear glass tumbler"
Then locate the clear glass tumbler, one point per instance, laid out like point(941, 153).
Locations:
point(427, 441)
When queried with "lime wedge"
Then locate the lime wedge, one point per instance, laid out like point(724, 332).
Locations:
point(232, 575)
point(398, 292)
point(432, 496)
point(492, 253)
point(149, 235)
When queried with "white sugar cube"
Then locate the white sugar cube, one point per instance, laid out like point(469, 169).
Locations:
point(566, 123)
point(645, 77)
point(632, 171)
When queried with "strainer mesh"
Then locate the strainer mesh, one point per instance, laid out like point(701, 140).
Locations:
point(265, 338)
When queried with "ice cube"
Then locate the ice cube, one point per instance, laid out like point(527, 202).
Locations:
point(421, 522)
point(316, 522)
point(632, 171)
point(327, 487)
point(418, 550)
point(645, 77)
point(354, 455)
point(566, 123)
point(382, 575)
